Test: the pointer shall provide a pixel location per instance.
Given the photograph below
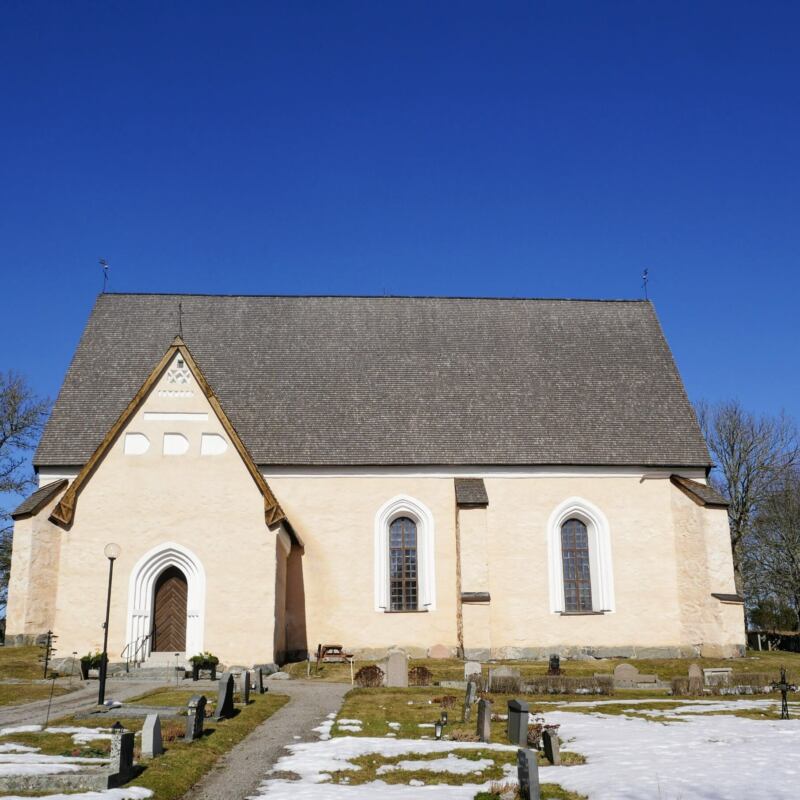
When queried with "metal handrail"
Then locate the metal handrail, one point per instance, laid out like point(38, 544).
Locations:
point(132, 655)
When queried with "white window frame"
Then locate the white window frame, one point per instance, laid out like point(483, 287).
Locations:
point(405, 506)
point(600, 564)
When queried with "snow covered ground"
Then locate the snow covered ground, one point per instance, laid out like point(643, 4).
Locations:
point(700, 757)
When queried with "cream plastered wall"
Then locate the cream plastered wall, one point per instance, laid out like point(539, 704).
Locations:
point(35, 558)
point(656, 599)
point(335, 518)
point(208, 504)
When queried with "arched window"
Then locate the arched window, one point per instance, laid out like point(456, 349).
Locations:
point(575, 561)
point(579, 559)
point(404, 556)
point(403, 572)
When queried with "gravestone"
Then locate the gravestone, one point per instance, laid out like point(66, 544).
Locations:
point(470, 696)
point(626, 676)
point(695, 679)
point(718, 676)
point(121, 761)
point(258, 680)
point(397, 669)
point(439, 651)
point(528, 775)
point(244, 687)
point(484, 720)
point(196, 712)
point(552, 747)
point(471, 668)
point(499, 674)
point(224, 708)
point(518, 718)
point(152, 745)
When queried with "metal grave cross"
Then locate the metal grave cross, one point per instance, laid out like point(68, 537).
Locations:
point(784, 687)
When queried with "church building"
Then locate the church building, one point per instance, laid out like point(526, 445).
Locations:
point(490, 478)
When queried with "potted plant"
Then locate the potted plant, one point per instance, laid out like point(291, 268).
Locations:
point(204, 661)
point(90, 661)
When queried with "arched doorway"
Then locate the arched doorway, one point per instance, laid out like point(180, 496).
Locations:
point(169, 611)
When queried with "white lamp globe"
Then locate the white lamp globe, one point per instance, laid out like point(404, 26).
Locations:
point(112, 550)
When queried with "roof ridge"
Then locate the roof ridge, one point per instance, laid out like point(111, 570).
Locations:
point(380, 297)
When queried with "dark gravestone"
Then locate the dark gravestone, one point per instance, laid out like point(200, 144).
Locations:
point(121, 758)
point(224, 709)
point(259, 681)
point(528, 775)
point(244, 687)
point(484, 720)
point(518, 717)
point(196, 716)
point(470, 696)
point(552, 748)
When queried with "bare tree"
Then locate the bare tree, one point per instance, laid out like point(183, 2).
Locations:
point(22, 416)
point(771, 563)
point(753, 455)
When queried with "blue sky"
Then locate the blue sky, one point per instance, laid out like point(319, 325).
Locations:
point(536, 149)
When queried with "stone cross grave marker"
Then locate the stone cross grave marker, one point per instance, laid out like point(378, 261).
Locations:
point(528, 774)
point(518, 717)
point(152, 745)
point(196, 717)
point(471, 668)
point(484, 720)
point(121, 761)
point(552, 748)
point(224, 708)
point(470, 696)
point(397, 669)
point(244, 687)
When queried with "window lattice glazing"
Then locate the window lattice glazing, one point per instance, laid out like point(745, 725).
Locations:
point(577, 573)
point(403, 565)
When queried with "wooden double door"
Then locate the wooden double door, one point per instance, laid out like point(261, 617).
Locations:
point(169, 612)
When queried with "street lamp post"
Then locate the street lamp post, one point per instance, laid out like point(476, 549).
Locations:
point(111, 551)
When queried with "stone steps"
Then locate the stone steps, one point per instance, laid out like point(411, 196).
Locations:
point(148, 674)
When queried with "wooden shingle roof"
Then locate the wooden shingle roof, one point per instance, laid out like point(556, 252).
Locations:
point(396, 380)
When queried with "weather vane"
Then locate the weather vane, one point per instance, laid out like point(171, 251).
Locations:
point(104, 266)
point(645, 278)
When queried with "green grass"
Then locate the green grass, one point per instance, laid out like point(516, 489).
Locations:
point(665, 668)
point(21, 662)
point(170, 697)
point(17, 693)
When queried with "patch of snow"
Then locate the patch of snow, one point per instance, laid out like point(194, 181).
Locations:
point(315, 761)
point(10, 747)
point(395, 726)
point(349, 722)
point(324, 728)
point(426, 725)
point(127, 793)
point(349, 728)
point(454, 764)
point(20, 729)
point(713, 758)
point(82, 735)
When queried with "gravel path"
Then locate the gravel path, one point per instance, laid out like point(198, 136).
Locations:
point(83, 699)
point(239, 774)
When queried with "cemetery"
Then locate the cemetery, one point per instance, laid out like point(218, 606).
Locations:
point(553, 729)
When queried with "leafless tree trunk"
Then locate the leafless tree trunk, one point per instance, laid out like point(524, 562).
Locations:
point(22, 416)
point(754, 456)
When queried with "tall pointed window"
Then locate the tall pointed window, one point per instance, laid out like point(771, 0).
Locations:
point(576, 565)
point(403, 571)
